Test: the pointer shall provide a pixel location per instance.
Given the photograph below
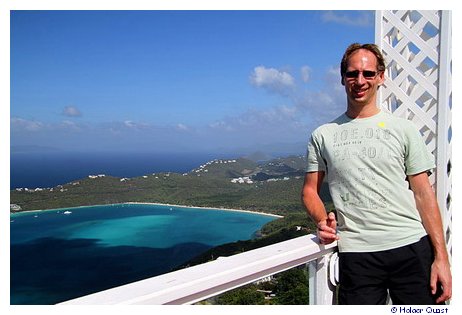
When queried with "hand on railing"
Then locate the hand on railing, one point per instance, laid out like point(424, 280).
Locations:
point(327, 230)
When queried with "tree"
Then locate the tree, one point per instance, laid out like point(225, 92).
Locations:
point(292, 287)
point(295, 296)
point(243, 296)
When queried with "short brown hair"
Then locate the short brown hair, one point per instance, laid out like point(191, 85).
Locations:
point(356, 46)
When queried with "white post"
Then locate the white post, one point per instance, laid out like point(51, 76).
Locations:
point(321, 290)
point(444, 154)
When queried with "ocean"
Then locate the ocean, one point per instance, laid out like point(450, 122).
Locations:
point(49, 169)
point(57, 255)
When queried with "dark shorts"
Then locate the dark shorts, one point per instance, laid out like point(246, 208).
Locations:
point(404, 273)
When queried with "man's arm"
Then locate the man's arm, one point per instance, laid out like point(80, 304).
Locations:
point(325, 223)
point(431, 219)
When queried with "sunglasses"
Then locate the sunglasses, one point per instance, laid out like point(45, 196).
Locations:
point(367, 74)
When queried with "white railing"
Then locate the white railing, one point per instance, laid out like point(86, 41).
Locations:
point(197, 283)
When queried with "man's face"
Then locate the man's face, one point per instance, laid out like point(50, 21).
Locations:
point(362, 78)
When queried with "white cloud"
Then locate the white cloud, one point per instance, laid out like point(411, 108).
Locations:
point(334, 80)
point(21, 124)
point(71, 111)
point(288, 122)
point(324, 104)
point(182, 127)
point(306, 73)
point(129, 124)
point(272, 80)
point(305, 104)
point(25, 126)
point(270, 120)
point(352, 18)
point(225, 124)
point(70, 125)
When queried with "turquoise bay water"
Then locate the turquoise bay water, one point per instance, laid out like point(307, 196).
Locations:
point(57, 256)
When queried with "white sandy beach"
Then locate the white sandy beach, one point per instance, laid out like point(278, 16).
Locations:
point(204, 208)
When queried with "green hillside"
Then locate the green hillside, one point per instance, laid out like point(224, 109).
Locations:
point(237, 184)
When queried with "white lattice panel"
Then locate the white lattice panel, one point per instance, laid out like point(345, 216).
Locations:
point(417, 49)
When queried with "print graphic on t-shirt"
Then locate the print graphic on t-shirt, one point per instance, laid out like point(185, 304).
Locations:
point(358, 186)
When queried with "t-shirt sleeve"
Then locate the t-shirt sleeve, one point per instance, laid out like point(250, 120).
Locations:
point(418, 158)
point(315, 162)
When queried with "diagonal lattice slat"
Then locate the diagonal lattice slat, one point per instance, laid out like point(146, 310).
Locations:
point(417, 48)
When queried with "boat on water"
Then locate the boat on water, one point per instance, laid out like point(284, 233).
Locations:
point(67, 212)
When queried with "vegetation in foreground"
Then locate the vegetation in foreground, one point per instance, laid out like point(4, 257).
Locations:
point(286, 288)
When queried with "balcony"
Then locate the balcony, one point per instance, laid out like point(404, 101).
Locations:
point(197, 283)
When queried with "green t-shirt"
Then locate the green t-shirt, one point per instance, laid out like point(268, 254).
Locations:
point(366, 162)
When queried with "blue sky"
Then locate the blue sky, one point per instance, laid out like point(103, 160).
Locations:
point(204, 81)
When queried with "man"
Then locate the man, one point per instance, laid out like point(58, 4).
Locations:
point(390, 235)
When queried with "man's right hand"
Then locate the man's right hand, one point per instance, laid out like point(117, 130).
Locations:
point(327, 230)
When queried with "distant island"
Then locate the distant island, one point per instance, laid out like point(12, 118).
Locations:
point(271, 186)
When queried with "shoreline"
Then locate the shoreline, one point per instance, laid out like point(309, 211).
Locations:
point(204, 208)
point(152, 204)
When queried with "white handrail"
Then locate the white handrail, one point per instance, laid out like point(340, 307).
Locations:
point(200, 282)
